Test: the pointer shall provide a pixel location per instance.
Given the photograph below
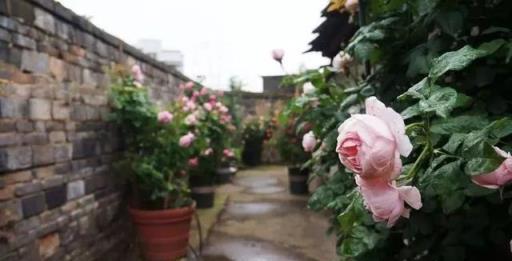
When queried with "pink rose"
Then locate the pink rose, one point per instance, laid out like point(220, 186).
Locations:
point(186, 140)
point(370, 144)
point(223, 109)
point(164, 117)
point(499, 177)
point(189, 85)
point(190, 106)
point(386, 201)
point(225, 118)
point(228, 153)
point(309, 141)
point(191, 120)
point(278, 54)
point(203, 91)
point(208, 106)
point(213, 99)
point(352, 5)
point(193, 162)
point(137, 74)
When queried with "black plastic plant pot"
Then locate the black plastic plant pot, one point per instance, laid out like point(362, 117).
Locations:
point(298, 179)
point(251, 155)
point(225, 175)
point(202, 190)
point(203, 196)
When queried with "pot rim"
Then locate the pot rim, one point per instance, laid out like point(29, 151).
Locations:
point(158, 212)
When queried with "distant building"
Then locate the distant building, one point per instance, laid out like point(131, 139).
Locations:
point(153, 47)
point(273, 84)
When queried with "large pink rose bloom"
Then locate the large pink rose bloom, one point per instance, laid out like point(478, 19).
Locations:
point(499, 177)
point(386, 201)
point(370, 144)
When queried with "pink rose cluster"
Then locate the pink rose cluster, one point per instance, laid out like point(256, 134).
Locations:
point(370, 145)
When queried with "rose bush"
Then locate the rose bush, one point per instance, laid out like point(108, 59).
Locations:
point(445, 65)
point(152, 157)
point(209, 129)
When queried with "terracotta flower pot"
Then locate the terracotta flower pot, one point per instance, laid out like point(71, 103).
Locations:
point(163, 233)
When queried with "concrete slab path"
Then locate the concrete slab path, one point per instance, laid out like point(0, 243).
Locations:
point(262, 221)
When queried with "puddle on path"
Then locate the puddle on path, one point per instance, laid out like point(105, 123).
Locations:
point(257, 182)
point(227, 248)
point(266, 190)
point(251, 209)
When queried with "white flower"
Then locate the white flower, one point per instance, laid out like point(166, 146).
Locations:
point(308, 88)
point(341, 61)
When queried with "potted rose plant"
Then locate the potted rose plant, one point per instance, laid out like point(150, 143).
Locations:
point(153, 164)
point(208, 123)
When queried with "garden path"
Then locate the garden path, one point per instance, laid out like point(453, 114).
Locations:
point(262, 221)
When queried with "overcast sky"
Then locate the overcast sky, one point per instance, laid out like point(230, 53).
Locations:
point(219, 39)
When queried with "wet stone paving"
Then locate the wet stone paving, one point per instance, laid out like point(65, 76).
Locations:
point(262, 221)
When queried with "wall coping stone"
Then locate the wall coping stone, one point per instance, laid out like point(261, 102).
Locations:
point(80, 22)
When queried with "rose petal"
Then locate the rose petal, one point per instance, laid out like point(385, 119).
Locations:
point(393, 120)
point(411, 195)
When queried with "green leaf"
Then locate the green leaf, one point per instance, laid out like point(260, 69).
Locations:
point(454, 142)
point(424, 7)
point(501, 128)
point(442, 102)
point(453, 202)
point(459, 124)
point(478, 166)
point(458, 60)
point(367, 91)
point(451, 22)
point(411, 111)
point(366, 51)
point(417, 91)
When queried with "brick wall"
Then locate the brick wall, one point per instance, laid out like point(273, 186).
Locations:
point(59, 198)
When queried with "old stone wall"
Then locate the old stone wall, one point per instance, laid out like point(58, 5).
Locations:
point(59, 198)
point(266, 105)
point(261, 104)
